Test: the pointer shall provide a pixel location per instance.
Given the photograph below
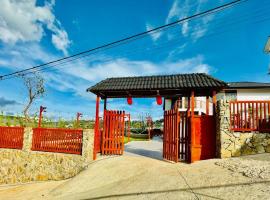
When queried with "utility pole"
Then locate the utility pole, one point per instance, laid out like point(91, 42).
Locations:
point(41, 110)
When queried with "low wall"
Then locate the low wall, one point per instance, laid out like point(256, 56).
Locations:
point(230, 143)
point(20, 166)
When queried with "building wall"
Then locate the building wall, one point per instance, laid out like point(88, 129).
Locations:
point(230, 144)
point(20, 166)
point(253, 94)
point(200, 105)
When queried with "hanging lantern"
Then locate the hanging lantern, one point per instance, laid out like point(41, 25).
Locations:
point(129, 100)
point(159, 100)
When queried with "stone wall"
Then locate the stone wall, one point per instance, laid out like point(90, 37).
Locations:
point(230, 144)
point(20, 166)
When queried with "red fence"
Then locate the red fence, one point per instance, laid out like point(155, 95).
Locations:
point(57, 140)
point(11, 137)
point(250, 116)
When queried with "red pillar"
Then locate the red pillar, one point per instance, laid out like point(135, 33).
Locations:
point(129, 127)
point(207, 105)
point(41, 110)
point(96, 128)
point(78, 119)
point(214, 102)
point(192, 128)
point(214, 95)
point(192, 117)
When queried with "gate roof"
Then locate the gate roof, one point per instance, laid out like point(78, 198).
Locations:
point(165, 85)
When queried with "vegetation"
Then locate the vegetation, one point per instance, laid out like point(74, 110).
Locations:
point(8, 120)
point(134, 139)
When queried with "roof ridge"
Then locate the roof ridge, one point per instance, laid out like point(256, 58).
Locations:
point(247, 82)
point(159, 75)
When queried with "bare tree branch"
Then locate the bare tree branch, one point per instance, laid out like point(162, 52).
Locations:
point(34, 84)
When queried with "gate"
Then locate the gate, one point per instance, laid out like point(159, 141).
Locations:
point(183, 137)
point(175, 139)
point(113, 133)
point(204, 146)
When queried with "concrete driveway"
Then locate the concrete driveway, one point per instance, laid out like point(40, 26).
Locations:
point(151, 149)
point(139, 177)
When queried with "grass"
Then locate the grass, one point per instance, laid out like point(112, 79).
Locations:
point(134, 139)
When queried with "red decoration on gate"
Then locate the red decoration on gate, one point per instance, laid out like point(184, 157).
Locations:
point(159, 100)
point(129, 100)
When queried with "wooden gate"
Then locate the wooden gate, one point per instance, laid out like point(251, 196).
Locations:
point(183, 137)
point(113, 132)
point(204, 146)
point(175, 140)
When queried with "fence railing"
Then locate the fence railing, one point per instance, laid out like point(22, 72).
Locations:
point(250, 116)
point(11, 137)
point(57, 140)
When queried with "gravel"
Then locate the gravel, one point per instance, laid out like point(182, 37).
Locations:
point(249, 168)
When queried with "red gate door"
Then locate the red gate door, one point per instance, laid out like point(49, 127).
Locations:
point(205, 138)
point(171, 135)
point(113, 132)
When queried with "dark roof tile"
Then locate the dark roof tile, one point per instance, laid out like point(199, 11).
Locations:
point(162, 82)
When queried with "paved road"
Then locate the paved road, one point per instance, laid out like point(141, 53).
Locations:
point(151, 149)
point(140, 177)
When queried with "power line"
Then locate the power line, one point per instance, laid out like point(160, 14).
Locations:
point(172, 42)
point(128, 39)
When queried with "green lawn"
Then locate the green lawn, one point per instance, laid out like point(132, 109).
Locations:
point(134, 139)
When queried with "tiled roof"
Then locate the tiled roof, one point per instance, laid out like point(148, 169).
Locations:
point(162, 82)
point(246, 84)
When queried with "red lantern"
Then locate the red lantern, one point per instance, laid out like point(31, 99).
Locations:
point(159, 100)
point(129, 100)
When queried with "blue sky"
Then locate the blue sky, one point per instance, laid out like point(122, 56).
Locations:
point(228, 45)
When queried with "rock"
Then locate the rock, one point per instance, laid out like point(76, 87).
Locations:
point(267, 149)
point(20, 166)
point(236, 153)
point(237, 135)
point(260, 148)
point(247, 151)
point(42, 178)
point(225, 153)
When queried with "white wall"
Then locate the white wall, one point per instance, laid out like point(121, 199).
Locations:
point(253, 94)
point(200, 105)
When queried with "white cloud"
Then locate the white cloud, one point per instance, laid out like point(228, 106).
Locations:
point(61, 41)
point(155, 35)
point(23, 21)
point(77, 76)
point(193, 29)
point(185, 28)
point(78, 79)
point(23, 56)
point(174, 11)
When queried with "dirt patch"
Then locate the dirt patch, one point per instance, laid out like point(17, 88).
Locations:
point(252, 168)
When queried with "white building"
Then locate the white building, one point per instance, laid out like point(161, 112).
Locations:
point(241, 91)
point(244, 91)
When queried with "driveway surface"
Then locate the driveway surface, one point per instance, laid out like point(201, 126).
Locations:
point(139, 177)
point(151, 149)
